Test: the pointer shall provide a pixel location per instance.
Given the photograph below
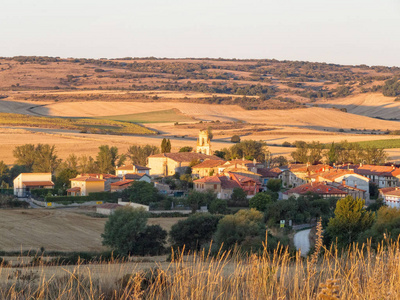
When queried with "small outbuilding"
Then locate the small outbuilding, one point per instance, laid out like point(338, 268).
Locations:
point(107, 209)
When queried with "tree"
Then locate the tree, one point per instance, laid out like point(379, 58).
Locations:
point(350, 220)
point(142, 192)
point(126, 232)
point(210, 133)
point(260, 201)
point(387, 225)
point(235, 139)
point(279, 161)
point(186, 149)
point(196, 199)
point(46, 159)
point(245, 228)
point(218, 206)
point(165, 146)
point(274, 185)
point(63, 178)
point(138, 154)
point(249, 149)
point(194, 232)
point(106, 159)
point(39, 158)
point(87, 164)
point(4, 172)
point(168, 146)
point(239, 196)
point(25, 156)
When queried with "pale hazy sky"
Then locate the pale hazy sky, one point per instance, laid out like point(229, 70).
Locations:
point(337, 31)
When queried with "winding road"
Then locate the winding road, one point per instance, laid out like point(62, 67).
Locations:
point(302, 242)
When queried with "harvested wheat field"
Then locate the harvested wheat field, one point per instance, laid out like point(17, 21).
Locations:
point(66, 229)
point(314, 117)
point(371, 104)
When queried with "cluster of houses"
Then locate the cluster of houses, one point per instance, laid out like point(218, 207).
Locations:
point(210, 172)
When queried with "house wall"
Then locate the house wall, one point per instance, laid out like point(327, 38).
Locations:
point(94, 186)
point(201, 187)
point(20, 189)
point(162, 166)
point(392, 201)
point(354, 180)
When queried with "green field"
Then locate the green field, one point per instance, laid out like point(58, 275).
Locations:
point(89, 125)
point(386, 144)
point(161, 116)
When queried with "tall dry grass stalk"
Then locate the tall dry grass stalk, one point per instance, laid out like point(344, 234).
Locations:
point(359, 273)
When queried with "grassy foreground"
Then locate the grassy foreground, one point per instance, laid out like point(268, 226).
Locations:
point(360, 273)
point(83, 124)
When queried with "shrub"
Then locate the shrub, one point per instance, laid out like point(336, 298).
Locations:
point(218, 206)
point(235, 139)
point(260, 201)
point(195, 231)
point(126, 232)
point(274, 185)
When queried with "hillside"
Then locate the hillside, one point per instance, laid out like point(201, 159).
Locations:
point(252, 84)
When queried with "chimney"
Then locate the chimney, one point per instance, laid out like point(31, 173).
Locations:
point(393, 167)
point(360, 164)
point(308, 164)
point(343, 181)
point(101, 176)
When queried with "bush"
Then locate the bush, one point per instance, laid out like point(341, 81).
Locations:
point(274, 185)
point(245, 229)
point(260, 201)
point(218, 206)
point(235, 139)
point(126, 232)
point(195, 231)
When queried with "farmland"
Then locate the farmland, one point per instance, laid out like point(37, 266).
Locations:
point(64, 230)
point(161, 116)
point(81, 124)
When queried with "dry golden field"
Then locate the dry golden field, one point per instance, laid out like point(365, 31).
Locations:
point(68, 229)
point(272, 126)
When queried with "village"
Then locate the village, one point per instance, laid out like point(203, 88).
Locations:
point(211, 173)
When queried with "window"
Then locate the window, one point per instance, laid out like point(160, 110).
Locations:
point(215, 186)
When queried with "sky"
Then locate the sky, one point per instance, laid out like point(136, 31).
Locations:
point(333, 31)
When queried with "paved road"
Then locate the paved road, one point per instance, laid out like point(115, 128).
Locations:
point(302, 242)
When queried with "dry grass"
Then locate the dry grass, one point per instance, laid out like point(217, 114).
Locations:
point(360, 273)
point(57, 229)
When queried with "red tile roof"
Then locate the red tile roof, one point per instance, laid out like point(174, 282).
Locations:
point(224, 181)
point(186, 156)
point(209, 163)
point(131, 167)
point(271, 172)
point(74, 189)
point(122, 183)
point(86, 178)
point(390, 191)
point(37, 183)
point(317, 187)
point(388, 171)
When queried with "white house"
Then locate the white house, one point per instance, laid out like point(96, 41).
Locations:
point(391, 196)
point(131, 169)
point(25, 182)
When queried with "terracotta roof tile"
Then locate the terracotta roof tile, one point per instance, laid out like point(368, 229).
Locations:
point(209, 163)
point(122, 183)
point(37, 183)
point(318, 188)
point(86, 178)
point(186, 156)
